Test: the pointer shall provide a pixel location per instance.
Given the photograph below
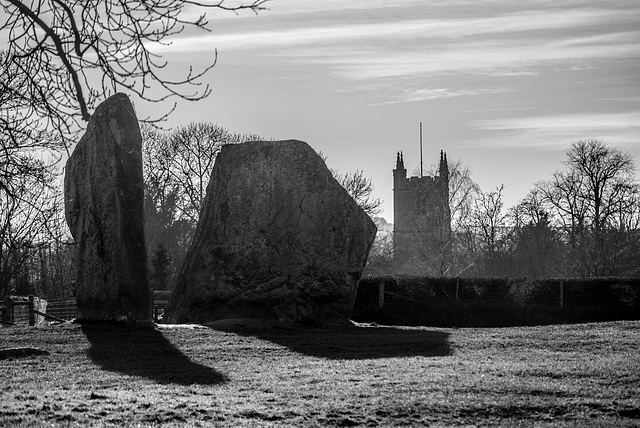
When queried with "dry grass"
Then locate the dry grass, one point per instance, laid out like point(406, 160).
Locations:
point(566, 375)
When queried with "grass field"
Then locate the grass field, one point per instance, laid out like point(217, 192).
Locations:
point(243, 375)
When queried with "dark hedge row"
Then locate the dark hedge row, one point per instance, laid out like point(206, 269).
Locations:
point(607, 292)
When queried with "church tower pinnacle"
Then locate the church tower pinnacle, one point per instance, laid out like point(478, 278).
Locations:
point(400, 173)
point(443, 168)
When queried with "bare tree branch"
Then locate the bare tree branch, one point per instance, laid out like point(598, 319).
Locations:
point(65, 56)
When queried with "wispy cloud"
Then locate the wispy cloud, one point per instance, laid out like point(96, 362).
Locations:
point(624, 99)
point(572, 122)
point(413, 29)
point(374, 50)
point(485, 57)
point(424, 94)
point(296, 7)
point(620, 129)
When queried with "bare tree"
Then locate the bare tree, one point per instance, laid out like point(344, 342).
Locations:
point(20, 140)
point(538, 246)
point(26, 220)
point(361, 190)
point(463, 192)
point(64, 56)
point(55, 261)
point(194, 149)
point(591, 199)
point(359, 187)
point(177, 167)
point(490, 222)
point(380, 261)
point(607, 178)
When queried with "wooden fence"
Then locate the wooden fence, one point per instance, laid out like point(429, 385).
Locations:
point(33, 310)
point(66, 309)
point(30, 309)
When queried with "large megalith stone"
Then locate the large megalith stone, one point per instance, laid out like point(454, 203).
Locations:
point(278, 238)
point(103, 189)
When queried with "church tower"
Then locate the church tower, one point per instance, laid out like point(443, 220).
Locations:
point(421, 220)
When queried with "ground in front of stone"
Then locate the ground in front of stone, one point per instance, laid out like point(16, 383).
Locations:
point(247, 375)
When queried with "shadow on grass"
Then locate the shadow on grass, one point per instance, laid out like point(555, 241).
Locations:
point(352, 342)
point(145, 352)
point(462, 314)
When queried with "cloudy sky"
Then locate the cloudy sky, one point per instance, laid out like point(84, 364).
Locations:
point(503, 86)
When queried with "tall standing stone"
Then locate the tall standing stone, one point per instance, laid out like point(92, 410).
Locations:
point(278, 238)
point(104, 197)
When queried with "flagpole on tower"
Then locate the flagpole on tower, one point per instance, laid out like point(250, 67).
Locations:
point(420, 149)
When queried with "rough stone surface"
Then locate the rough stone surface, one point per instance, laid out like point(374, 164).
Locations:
point(278, 238)
point(104, 210)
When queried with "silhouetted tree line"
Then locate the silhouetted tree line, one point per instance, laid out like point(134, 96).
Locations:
point(582, 222)
point(36, 247)
point(177, 167)
point(60, 59)
point(58, 62)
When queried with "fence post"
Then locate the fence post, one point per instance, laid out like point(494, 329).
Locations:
point(380, 294)
point(457, 288)
point(561, 294)
point(32, 307)
point(8, 310)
